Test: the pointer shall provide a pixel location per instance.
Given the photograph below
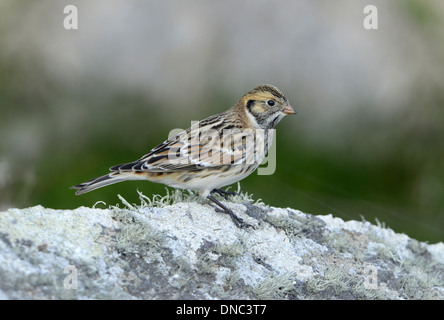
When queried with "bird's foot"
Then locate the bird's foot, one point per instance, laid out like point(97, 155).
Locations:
point(224, 193)
point(240, 223)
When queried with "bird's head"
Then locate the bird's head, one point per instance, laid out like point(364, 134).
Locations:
point(265, 106)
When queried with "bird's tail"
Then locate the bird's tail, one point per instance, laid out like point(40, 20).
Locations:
point(106, 180)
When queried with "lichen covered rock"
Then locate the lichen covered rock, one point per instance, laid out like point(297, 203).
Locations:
point(186, 250)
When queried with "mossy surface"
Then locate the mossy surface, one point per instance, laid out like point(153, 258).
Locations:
point(178, 247)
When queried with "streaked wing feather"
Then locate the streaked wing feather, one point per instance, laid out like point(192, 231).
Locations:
point(196, 148)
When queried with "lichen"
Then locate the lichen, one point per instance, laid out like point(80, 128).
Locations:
point(163, 249)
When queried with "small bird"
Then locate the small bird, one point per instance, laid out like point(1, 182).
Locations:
point(215, 152)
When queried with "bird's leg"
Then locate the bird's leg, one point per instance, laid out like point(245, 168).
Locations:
point(237, 221)
point(224, 193)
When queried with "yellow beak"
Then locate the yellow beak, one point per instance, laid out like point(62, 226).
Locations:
point(289, 110)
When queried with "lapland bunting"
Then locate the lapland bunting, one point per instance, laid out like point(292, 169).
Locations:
point(212, 153)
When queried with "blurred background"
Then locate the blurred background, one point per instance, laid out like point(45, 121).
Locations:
point(367, 142)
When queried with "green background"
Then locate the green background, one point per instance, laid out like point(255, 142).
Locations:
point(367, 142)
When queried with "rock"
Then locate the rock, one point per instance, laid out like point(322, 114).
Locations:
point(186, 250)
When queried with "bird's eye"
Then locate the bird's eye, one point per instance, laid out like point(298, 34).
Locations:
point(270, 103)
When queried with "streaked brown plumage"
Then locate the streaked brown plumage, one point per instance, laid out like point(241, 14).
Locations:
point(215, 152)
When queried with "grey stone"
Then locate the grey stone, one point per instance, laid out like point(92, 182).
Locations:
point(188, 251)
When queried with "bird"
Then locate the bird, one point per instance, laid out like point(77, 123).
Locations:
point(213, 153)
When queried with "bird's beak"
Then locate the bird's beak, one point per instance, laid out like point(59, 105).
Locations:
point(289, 110)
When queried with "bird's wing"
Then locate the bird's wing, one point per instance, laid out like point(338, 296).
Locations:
point(213, 142)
